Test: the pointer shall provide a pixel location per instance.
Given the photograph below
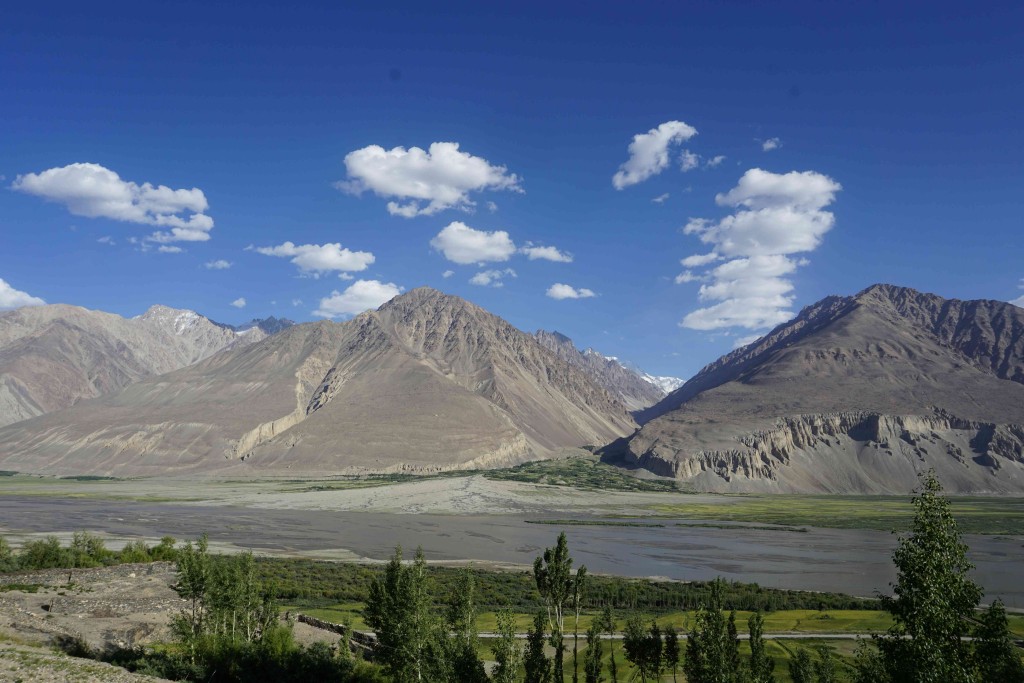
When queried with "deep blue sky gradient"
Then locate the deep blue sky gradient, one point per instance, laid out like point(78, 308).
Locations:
point(916, 110)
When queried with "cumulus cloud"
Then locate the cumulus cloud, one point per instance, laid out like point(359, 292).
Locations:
point(107, 239)
point(423, 182)
point(688, 160)
point(774, 217)
point(715, 161)
point(660, 199)
point(687, 276)
point(534, 252)
point(562, 291)
point(170, 249)
point(361, 295)
point(219, 264)
point(316, 259)
point(649, 153)
point(239, 302)
point(14, 298)
point(94, 191)
point(296, 302)
point(447, 274)
point(770, 144)
point(462, 244)
point(698, 260)
point(491, 278)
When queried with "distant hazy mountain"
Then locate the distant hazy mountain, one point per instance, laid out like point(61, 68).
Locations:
point(53, 356)
point(427, 382)
point(635, 388)
point(856, 394)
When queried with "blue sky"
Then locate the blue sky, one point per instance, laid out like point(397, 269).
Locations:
point(898, 158)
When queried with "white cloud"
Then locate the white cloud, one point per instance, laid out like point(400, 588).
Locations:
point(688, 160)
point(296, 302)
point(107, 239)
point(648, 153)
point(13, 298)
point(534, 252)
point(714, 161)
point(561, 291)
point(462, 244)
point(699, 260)
point(447, 274)
point(239, 302)
point(315, 259)
point(775, 216)
point(96, 192)
point(770, 144)
point(491, 278)
point(165, 249)
point(492, 207)
point(687, 276)
point(361, 295)
point(428, 181)
point(219, 264)
point(660, 199)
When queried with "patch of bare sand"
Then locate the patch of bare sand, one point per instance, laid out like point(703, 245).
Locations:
point(471, 495)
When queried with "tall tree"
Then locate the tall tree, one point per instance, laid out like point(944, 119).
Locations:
point(608, 624)
point(595, 652)
point(761, 665)
point(508, 656)
point(801, 668)
point(643, 648)
point(671, 651)
point(462, 663)
point(578, 590)
point(995, 655)
point(553, 575)
point(712, 649)
point(933, 597)
point(536, 663)
point(399, 610)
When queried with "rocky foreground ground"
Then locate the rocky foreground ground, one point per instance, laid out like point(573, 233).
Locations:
point(111, 607)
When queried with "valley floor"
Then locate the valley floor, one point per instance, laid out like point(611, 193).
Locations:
point(638, 528)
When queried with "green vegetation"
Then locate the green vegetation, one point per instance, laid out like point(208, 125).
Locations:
point(584, 472)
point(85, 550)
point(593, 522)
point(975, 515)
point(933, 605)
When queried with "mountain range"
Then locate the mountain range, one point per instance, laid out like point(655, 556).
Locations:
point(53, 356)
point(428, 382)
point(855, 394)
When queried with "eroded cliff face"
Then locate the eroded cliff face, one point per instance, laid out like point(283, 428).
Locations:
point(985, 457)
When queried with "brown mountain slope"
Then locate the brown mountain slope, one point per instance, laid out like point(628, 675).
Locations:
point(427, 382)
point(628, 386)
point(53, 356)
point(855, 394)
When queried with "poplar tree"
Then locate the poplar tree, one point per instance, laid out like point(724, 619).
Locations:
point(671, 650)
point(933, 598)
point(399, 610)
point(995, 654)
point(608, 624)
point(761, 665)
point(553, 575)
point(536, 664)
point(595, 652)
point(508, 656)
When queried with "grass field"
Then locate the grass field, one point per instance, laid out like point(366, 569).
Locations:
point(584, 472)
